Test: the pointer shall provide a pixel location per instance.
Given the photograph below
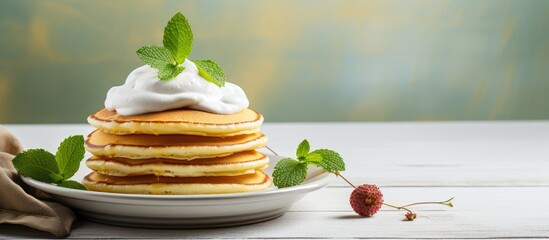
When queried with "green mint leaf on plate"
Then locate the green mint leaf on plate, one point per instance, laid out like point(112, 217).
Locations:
point(169, 71)
point(72, 184)
point(178, 38)
point(303, 149)
point(289, 172)
point(69, 154)
point(156, 57)
point(38, 164)
point(211, 71)
point(43, 166)
point(331, 160)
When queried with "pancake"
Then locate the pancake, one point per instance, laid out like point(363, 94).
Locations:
point(233, 165)
point(179, 121)
point(151, 184)
point(183, 147)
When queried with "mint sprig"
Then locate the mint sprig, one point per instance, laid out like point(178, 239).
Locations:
point(43, 166)
point(290, 172)
point(178, 44)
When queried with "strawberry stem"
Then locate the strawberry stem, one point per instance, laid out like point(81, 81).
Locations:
point(342, 177)
point(397, 207)
point(447, 203)
point(272, 150)
point(405, 207)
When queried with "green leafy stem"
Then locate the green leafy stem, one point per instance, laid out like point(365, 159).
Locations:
point(178, 45)
point(43, 166)
point(290, 172)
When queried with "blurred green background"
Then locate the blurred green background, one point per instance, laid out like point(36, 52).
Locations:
point(305, 60)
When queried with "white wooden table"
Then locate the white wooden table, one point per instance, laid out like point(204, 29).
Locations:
point(497, 171)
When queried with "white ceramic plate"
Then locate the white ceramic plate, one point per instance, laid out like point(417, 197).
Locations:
point(183, 211)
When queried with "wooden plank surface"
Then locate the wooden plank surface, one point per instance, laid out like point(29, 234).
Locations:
point(483, 212)
point(498, 172)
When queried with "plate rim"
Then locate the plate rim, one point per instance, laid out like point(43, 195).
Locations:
point(315, 183)
point(316, 179)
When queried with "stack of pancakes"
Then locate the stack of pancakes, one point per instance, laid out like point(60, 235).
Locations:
point(178, 151)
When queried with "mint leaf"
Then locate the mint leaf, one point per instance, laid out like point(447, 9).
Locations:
point(72, 184)
point(69, 154)
point(313, 158)
point(155, 56)
point(289, 172)
point(211, 71)
point(331, 160)
point(303, 149)
point(37, 164)
point(169, 71)
point(178, 38)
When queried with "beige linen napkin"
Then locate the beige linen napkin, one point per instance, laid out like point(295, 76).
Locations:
point(19, 204)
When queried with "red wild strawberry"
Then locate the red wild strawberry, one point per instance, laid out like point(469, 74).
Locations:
point(366, 200)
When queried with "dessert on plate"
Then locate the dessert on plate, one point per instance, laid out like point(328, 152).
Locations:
point(176, 127)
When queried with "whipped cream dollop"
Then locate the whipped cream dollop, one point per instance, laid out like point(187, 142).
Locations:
point(143, 92)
